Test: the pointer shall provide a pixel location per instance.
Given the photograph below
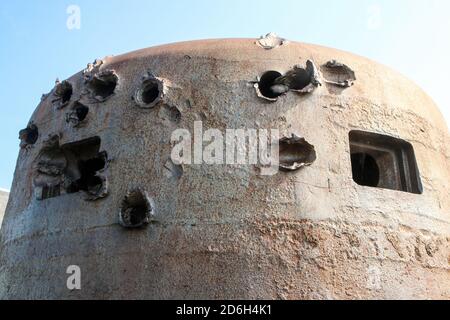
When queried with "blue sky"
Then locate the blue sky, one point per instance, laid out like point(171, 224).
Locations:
point(36, 46)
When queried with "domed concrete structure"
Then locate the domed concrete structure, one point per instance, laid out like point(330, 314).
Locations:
point(359, 210)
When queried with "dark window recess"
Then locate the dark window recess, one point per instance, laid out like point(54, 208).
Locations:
point(385, 162)
point(76, 165)
point(84, 162)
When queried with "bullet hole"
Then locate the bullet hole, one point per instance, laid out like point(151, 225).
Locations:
point(295, 153)
point(266, 83)
point(365, 170)
point(76, 167)
point(81, 111)
point(338, 74)
point(62, 95)
point(271, 41)
point(103, 85)
point(150, 93)
point(384, 162)
point(66, 92)
point(136, 210)
point(29, 136)
point(78, 114)
point(273, 84)
point(295, 79)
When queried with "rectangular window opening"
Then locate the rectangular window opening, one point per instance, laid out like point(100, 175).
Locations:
point(70, 168)
point(385, 162)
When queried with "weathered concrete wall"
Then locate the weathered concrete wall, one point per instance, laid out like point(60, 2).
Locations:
point(226, 231)
point(3, 202)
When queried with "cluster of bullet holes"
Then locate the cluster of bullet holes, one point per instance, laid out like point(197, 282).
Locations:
point(28, 136)
point(137, 210)
point(80, 166)
point(77, 167)
point(295, 153)
point(150, 93)
point(63, 94)
point(273, 84)
point(103, 85)
point(71, 168)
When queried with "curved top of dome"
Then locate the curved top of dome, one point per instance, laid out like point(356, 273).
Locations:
point(376, 82)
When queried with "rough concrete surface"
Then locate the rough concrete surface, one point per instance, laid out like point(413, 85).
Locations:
point(3, 202)
point(226, 232)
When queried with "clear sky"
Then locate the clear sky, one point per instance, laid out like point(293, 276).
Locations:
point(37, 45)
